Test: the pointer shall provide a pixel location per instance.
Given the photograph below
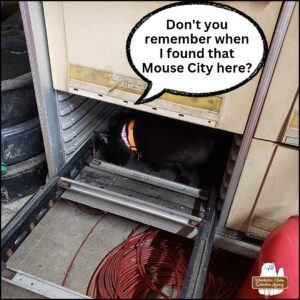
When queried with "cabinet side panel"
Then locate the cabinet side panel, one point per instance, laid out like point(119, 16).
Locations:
point(255, 168)
point(55, 27)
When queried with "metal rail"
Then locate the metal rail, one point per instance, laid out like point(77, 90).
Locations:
point(129, 207)
point(35, 33)
point(40, 286)
point(236, 245)
point(17, 229)
point(193, 284)
point(157, 181)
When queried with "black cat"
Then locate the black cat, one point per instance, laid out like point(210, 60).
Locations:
point(164, 142)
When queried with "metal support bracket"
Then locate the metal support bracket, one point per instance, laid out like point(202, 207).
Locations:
point(195, 278)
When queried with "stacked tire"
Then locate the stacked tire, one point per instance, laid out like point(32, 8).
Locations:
point(23, 164)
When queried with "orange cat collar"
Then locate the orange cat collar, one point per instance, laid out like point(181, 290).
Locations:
point(130, 136)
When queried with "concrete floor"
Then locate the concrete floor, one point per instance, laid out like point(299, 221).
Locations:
point(50, 247)
point(9, 209)
point(8, 291)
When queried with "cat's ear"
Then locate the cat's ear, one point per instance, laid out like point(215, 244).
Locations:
point(104, 136)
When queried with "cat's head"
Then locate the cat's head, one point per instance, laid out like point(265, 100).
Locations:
point(113, 147)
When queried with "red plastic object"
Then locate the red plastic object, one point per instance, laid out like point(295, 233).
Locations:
point(282, 248)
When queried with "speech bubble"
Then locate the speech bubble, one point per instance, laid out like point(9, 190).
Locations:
point(195, 49)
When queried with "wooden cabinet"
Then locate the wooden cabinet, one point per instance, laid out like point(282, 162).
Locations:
point(87, 51)
point(87, 42)
point(278, 198)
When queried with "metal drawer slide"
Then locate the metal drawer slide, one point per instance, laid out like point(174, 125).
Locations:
point(129, 207)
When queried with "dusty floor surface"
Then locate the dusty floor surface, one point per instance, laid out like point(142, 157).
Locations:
point(8, 210)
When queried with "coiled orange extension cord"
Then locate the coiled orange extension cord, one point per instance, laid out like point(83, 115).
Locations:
point(144, 263)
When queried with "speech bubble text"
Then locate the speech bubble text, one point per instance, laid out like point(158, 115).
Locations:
point(195, 49)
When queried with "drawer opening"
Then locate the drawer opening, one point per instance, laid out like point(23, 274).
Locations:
point(139, 180)
point(82, 110)
point(137, 195)
point(207, 173)
point(75, 117)
point(147, 189)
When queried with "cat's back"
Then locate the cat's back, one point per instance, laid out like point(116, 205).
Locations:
point(167, 130)
point(165, 139)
